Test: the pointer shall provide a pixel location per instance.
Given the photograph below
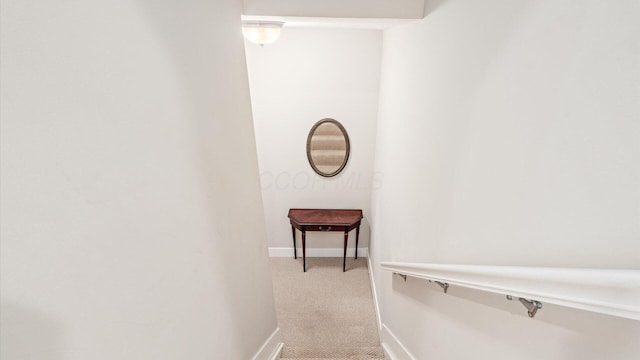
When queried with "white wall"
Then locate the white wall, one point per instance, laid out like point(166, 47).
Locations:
point(508, 134)
point(308, 75)
point(132, 223)
point(409, 9)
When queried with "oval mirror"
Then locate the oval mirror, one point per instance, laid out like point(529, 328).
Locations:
point(328, 147)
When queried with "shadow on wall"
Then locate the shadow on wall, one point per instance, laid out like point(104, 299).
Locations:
point(579, 332)
point(430, 6)
point(28, 334)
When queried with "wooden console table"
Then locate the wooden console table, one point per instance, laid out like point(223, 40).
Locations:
point(324, 220)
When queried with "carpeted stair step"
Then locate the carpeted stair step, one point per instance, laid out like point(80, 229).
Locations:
point(345, 353)
point(356, 358)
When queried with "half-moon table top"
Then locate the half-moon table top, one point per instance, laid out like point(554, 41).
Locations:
point(343, 217)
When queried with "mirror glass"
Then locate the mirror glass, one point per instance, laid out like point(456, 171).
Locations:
point(328, 147)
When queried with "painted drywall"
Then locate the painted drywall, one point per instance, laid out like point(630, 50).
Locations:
point(308, 75)
point(508, 134)
point(132, 223)
point(400, 9)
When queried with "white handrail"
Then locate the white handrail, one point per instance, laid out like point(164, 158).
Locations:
point(607, 291)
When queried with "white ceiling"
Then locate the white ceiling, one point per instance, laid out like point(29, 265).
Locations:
point(337, 9)
point(326, 22)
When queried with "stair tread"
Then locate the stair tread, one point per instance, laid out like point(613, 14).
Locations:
point(340, 353)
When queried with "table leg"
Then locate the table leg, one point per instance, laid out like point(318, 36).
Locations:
point(293, 231)
point(304, 251)
point(357, 236)
point(344, 259)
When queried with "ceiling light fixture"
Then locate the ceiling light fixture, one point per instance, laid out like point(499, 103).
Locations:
point(262, 32)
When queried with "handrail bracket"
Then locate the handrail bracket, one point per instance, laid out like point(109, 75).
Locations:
point(443, 285)
point(403, 276)
point(531, 305)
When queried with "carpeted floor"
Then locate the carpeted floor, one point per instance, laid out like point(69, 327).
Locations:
point(325, 313)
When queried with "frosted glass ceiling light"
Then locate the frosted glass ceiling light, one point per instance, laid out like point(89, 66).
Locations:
point(262, 32)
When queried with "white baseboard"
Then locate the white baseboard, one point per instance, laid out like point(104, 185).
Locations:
point(392, 347)
point(318, 252)
point(375, 297)
point(271, 348)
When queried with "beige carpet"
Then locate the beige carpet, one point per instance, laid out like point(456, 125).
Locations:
point(325, 313)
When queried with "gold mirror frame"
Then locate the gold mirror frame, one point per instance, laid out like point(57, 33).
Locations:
point(328, 148)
